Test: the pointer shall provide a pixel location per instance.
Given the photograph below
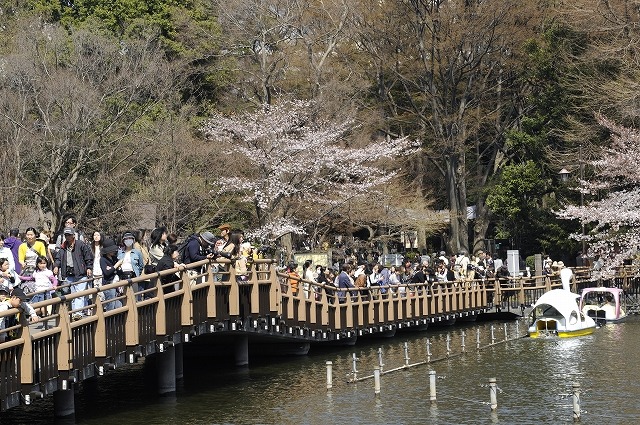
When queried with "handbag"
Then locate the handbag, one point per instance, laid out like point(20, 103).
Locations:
point(150, 269)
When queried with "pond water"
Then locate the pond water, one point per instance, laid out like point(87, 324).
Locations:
point(534, 378)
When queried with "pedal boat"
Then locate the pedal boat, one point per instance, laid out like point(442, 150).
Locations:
point(604, 305)
point(557, 313)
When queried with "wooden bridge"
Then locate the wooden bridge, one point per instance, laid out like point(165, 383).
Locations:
point(54, 355)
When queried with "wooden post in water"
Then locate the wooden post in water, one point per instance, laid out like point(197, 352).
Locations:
point(376, 380)
point(493, 393)
point(329, 374)
point(432, 386)
point(406, 354)
point(576, 402)
point(506, 335)
point(354, 368)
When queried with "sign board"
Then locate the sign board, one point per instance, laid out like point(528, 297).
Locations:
point(317, 258)
point(513, 262)
point(389, 260)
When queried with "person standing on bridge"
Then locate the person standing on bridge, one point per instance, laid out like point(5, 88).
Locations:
point(344, 282)
point(13, 243)
point(132, 263)
point(5, 252)
point(74, 262)
point(109, 265)
point(196, 249)
point(29, 251)
point(15, 299)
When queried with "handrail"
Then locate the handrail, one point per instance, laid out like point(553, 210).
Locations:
point(211, 301)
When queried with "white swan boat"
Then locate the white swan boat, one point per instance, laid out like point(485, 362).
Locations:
point(604, 305)
point(557, 313)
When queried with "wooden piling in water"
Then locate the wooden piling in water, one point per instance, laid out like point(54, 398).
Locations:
point(493, 394)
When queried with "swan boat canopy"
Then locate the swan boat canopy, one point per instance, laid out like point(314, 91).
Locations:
point(604, 305)
point(557, 313)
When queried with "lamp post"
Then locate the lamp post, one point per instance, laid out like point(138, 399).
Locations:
point(564, 177)
point(584, 243)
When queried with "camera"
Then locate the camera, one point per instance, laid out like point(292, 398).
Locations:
point(226, 255)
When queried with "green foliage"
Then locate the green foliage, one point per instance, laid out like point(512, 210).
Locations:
point(518, 191)
point(530, 262)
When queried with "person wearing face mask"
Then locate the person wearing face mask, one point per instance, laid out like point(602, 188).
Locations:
point(131, 262)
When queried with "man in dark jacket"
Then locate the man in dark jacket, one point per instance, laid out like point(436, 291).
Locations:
point(344, 282)
point(74, 261)
point(197, 249)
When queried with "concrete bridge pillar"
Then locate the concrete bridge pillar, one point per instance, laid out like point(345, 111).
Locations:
point(166, 370)
point(179, 361)
point(242, 350)
point(64, 402)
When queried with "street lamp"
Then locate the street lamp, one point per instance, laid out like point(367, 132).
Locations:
point(564, 177)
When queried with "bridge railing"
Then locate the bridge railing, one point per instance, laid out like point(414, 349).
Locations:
point(306, 303)
point(208, 297)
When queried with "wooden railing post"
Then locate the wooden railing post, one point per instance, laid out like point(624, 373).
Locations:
point(26, 357)
point(255, 288)
point(101, 328)
point(275, 295)
point(64, 343)
point(131, 325)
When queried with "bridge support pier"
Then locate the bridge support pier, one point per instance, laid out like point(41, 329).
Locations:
point(179, 361)
point(166, 370)
point(242, 350)
point(64, 402)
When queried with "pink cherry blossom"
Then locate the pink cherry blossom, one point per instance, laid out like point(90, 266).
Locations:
point(289, 153)
point(615, 218)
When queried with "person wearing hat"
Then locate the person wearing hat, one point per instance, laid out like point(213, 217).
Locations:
point(4, 292)
point(14, 299)
point(74, 265)
point(225, 230)
point(109, 265)
point(197, 249)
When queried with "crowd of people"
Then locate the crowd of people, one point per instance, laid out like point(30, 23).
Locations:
point(373, 278)
point(35, 265)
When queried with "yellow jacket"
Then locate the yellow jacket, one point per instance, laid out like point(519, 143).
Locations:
point(37, 246)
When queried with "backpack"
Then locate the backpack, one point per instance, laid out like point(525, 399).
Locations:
point(182, 248)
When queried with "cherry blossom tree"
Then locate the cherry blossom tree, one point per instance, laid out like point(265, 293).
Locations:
point(297, 167)
point(616, 216)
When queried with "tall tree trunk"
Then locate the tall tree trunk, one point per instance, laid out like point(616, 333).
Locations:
point(481, 226)
point(457, 195)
